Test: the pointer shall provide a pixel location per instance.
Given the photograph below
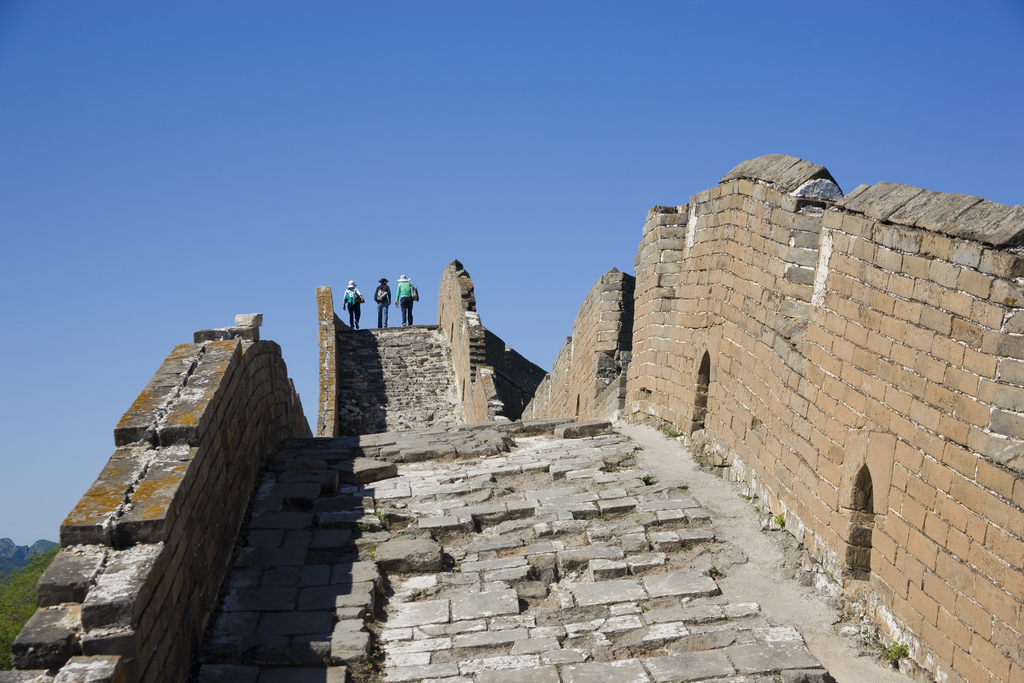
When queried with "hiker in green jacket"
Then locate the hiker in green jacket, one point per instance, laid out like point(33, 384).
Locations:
point(405, 294)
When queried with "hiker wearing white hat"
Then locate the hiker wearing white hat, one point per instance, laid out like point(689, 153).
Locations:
point(405, 294)
point(352, 300)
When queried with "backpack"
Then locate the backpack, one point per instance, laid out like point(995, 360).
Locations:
point(415, 293)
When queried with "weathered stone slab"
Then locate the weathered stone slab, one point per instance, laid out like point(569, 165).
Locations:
point(486, 604)
point(505, 664)
point(419, 613)
point(282, 520)
point(122, 590)
point(664, 541)
point(490, 638)
point(604, 592)
point(693, 536)
point(571, 559)
point(755, 658)
point(539, 674)
point(348, 645)
point(645, 562)
point(684, 584)
point(365, 470)
point(691, 666)
point(409, 555)
point(330, 538)
point(97, 669)
point(228, 673)
point(497, 563)
point(29, 676)
point(606, 570)
point(70, 575)
point(623, 671)
point(91, 521)
point(581, 430)
point(617, 506)
point(279, 599)
point(47, 640)
point(400, 674)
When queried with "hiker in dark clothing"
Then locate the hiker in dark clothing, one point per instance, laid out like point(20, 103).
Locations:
point(383, 298)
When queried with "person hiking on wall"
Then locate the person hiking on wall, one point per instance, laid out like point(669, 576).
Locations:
point(352, 300)
point(383, 298)
point(406, 294)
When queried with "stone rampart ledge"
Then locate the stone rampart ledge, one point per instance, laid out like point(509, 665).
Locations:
point(145, 549)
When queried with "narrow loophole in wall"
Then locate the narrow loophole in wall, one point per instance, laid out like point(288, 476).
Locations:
point(577, 405)
point(700, 403)
point(862, 521)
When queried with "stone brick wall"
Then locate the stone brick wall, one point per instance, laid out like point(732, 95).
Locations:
point(859, 361)
point(146, 548)
point(587, 380)
point(493, 380)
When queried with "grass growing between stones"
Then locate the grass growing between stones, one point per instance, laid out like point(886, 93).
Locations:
point(894, 653)
point(18, 601)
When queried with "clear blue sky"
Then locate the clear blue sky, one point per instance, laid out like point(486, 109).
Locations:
point(164, 166)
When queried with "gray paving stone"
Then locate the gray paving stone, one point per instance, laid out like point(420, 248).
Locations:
point(261, 600)
point(604, 592)
point(655, 505)
point(645, 562)
point(664, 541)
point(689, 584)
point(419, 613)
point(691, 536)
point(691, 666)
point(490, 638)
point(440, 524)
point(605, 570)
point(228, 673)
point(330, 538)
point(534, 646)
point(349, 646)
point(282, 520)
point(486, 604)
point(46, 641)
point(497, 563)
point(409, 555)
point(295, 623)
point(331, 674)
point(355, 572)
point(294, 556)
point(539, 674)
point(471, 667)
point(755, 658)
point(634, 543)
point(623, 671)
point(569, 560)
point(691, 614)
point(617, 506)
point(512, 575)
point(433, 671)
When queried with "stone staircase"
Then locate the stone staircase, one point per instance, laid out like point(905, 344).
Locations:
point(458, 554)
point(395, 379)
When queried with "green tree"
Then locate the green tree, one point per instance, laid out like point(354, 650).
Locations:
point(18, 601)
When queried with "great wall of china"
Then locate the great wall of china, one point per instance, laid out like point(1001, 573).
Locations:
point(855, 362)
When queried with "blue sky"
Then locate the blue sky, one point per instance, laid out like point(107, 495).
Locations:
point(164, 166)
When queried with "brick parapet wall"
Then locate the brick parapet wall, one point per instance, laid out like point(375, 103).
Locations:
point(900, 352)
point(587, 379)
point(495, 382)
point(146, 548)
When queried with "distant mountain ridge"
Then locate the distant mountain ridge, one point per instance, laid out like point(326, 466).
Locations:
point(14, 557)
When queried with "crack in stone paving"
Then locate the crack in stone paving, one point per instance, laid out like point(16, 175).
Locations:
point(557, 560)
